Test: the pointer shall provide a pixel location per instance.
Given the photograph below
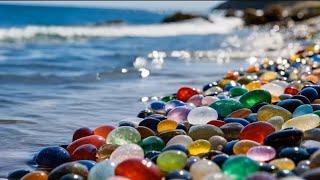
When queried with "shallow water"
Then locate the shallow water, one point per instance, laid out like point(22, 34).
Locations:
point(53, 84)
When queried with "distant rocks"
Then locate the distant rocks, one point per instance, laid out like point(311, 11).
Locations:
point(263, 12)
point(179, 16)
point(111, 22)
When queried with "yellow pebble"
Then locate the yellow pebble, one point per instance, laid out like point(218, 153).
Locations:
point(253, 85)
point(283, 163)
point(268, 76)
point(166, 125)
point(199, 147)
point(35, 175)
point(242, 146)
point(317, 101)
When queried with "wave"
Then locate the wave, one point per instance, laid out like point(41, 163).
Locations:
point(220, 25)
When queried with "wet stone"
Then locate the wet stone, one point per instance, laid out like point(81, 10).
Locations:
point(268, 111)
point(204, 131)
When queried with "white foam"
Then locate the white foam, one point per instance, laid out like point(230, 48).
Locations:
point(195, 27)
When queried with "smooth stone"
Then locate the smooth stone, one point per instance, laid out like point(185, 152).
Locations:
point(226, 106)
point(179, 174)
point(302, 110)
point(207, 100)
point(127, 123)
point(290, 104)
point(303, 123)
point(202, 168)
point(105, 151)
point(285, 96)
point(195, 100)
point(88, 163)
point(268, 111)
point(231, 131)
point(284, 138)
point(310, 93)
point(283, 163)
point(242, 146)
point(167, 135)
point(216, 176)
point(255, 108)
point(66, 168)
point(217, 123)
point(236, 120)
point(237, 91)
point(152, 155)
point(234, 167)
point(302, 98)
point(284, 173)
point(215, 90)
point(166, 125)
point(268, 76)
point(261, 153)
point(177, 147)
point(202, 115)
point(191, 160)
point(125, 152)
point(251, 98)
point(35, 175)
point(151, 123)
point(145, 131)
point(273, 89)
point(167, 98)
point(256, 131)
point(184, 93)
point(138, 169)
point(173, 104)
point(291, 90)
point(104, 130)
point(82, 132)
point(240, 113)
point(84, 152)
point(261, 176)
point(157, 107)
point(152, 143)
point(220, 159)
point(179, 114)
point(313, 174)
point(204, 131)
point(266, 167)
point(312, 134)
point(276, 122)
point(217, 142)
point(51, 157)
point(71, 176)
point(171, 160)
point(296, 154)
point(102, 170)
point(95, 140)
point(252, 117)
point(123, 135)
point(181, 140)
point(228, 147)
point(199, 147)
point(17, 174)
point(315, 160)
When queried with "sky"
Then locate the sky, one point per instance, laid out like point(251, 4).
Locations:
point(188, 6)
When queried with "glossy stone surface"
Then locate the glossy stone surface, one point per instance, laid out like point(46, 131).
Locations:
point(166, 125)
point(123, 135)
point(195, 100)
point(71, 176)
point(276, 122)
point(145, 131)
point(138, 169)
point(51, 157)
point(256, 96)
point(84, 152)
point(167, 135)
point(199, 147)
point(157, 107)
point(35, 175)
point(152, 143)
point(180, 139)
point(202, 115)
point(290, 104)
point(184, 93)
point(273, 89)
point(231, 130)
point(67, 168)
point(237, 91)
point(268, 111)
point(150, 122)
point(204, 131)
point(217, 142)
point(302, 110)
point(256, 131)
point(17, 174)
point(261, 153)
point(179, 114)
point(310, 93)
point(240, 113)
point(283, 163)
point(95, 140)
point(303, 123)
point(296, 154)
point(102, 170)
point(202, 168)
point(105, 151)
point(236, 120)
point(234, 167)
point(104, 130)
point(242, 146)
point(82, 132)
point(179, 174)
point(284, 138)
point(177, 147)
point(125, 152)
point(171, 160)
point(226, 106)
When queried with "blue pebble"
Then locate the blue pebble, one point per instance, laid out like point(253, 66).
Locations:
point(220, 159)
point(17, 174)
point(252, 117)
point(303, 109)
point(290, 104)
point(177, 147)
point(208, 86)
point(158, 107)
point(237, 120)
point(310, 93)
point(228, 147)
point(127, 123)
point(297, 154)
point(88, 163)
point(302, 98)
point(150, 123)
point(51, 157)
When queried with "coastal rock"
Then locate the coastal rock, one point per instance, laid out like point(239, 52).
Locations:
point(179, 16)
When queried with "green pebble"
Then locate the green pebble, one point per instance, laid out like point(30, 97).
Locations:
point(251, 98)
point(226, 106)
point(172, 160)
point(239, 167)
point(237, 91)
point(152, 143)
point(317, 112)
point(167, 98)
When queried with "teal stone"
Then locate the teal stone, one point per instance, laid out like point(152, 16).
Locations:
point(239, 167)
point(237, 91)
point(302, 110)
point(226, 106)
point(152, 143)
point(251, 98)
point(102, 170)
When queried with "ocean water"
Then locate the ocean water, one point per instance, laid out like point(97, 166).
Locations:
point(62, 68)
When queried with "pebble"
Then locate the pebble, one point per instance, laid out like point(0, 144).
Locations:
point(276, 122)
point(202, 168)
point(124, 135)
point(102, 170)
point(303, 123)
point(172, 160)
point(256, 131)
point(199, 147)
point(261, 153)
point(204, 131)
point(51, 157)
point(66, 168)
point(35, 175)
point(202, 115)
point(180, 139)
point(217, 142)
point(126, 151)
point(240, 167)
point(251, 98)
point(242, 146)
point(225, 107)
point(283, 163)
point(268, 111)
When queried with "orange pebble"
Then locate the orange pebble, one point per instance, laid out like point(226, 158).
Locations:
point(35, 175)
point(104, 130)
point(311, 78)
point(232, 75)
point(253, 69)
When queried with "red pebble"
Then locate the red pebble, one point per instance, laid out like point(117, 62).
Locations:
point(185, 93)
point(95, 140)
point(84, 152)
point(138, 169)
point(291, 90)
point(104, 130)
point(256, 131)
point(217, 123)
point(82, 132)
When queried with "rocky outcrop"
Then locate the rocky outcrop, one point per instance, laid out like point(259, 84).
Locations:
point(179, 16)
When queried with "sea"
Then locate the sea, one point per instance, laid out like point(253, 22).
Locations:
point(62, 68)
